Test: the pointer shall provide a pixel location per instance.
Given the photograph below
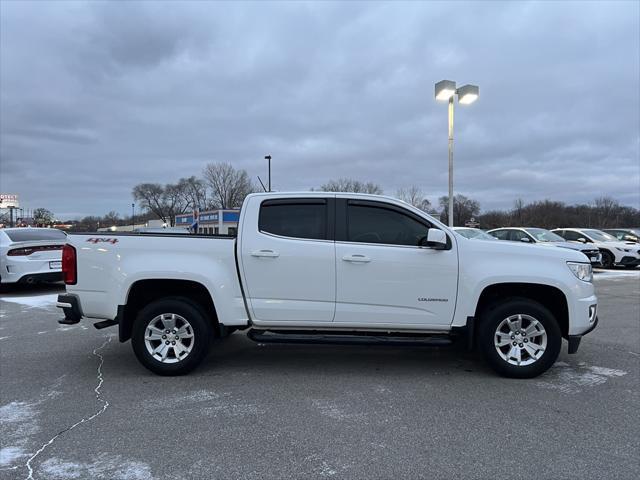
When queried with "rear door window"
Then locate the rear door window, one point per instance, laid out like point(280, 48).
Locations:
point(570, 235)
point(518, 235)
point(295, 218)
point(501, 234)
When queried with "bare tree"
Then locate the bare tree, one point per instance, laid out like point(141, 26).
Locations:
point(350, 185)
point(464, 209)
point(194, 192)
point(42, 216)
point(229, 186)
point(149, 195)
point(413, 196)
point(111, 218)
point(607, 211)
point(165, 202)
point(174, 201)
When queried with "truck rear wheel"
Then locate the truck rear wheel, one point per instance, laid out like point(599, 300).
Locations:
point(519, 338)
point(171, 336)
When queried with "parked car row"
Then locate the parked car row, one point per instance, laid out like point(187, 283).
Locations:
point(608, 248)
point(29, 255)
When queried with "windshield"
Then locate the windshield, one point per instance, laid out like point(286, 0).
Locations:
point(35, 234)
point(542, 235)
point(474, 233)
point(600, 236)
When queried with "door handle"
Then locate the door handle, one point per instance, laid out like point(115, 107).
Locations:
point(356, 258)
point(265, 253)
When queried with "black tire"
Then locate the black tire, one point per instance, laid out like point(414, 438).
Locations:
point(201, 328)
point(607, 259)
point(492, 318)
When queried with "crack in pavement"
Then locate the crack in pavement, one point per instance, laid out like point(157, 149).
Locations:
point(105, 405)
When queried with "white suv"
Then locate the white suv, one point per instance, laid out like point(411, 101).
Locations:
point(614, 252)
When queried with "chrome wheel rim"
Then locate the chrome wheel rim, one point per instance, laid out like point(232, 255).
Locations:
point(520, 340)
point(169, 338)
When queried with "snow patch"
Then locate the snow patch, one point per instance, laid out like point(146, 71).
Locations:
point(8, 455)
point(573, 379)
point(39, 301)
point(104, 467)
point(616, 274)
point(98, 396)
point(16, 412)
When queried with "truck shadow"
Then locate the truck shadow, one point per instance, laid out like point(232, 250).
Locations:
point(240, 354)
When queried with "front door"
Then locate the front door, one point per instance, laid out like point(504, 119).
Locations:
point(288, 264)
point(384, 276)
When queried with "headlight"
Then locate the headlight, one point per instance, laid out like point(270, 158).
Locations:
point(581, 270)
point(622, 249)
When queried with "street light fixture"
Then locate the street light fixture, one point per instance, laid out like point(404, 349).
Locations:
point(268, 157)
point(446, 91)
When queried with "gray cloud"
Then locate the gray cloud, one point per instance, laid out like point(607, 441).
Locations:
point(98, 96)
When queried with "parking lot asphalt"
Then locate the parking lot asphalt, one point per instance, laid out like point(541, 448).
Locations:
point(75, 403)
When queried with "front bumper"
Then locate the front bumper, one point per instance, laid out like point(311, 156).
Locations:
point(629, 260)
point(574, 340)
point(594, 256)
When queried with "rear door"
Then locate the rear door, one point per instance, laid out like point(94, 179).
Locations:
point(383, 275)
point(288, 259)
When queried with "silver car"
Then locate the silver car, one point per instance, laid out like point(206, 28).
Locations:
point(29, 255)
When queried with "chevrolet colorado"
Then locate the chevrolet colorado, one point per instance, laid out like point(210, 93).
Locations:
point(320, 267)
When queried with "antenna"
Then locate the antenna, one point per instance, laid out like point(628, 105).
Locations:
point(263, 187)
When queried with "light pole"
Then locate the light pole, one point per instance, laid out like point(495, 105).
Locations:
point(268, 157)
point(133, 217)
point(446, 91)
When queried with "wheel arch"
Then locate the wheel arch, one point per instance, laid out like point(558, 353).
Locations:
point(143, 292)
point(549, 296)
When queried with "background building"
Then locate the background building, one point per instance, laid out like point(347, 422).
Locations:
point(9, 209)
point(212, 222)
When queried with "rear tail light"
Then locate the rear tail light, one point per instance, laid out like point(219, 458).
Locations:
point(23, 252)
point(69, 265)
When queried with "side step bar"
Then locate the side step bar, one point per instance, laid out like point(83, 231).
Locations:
point(348, 338)
point(105, 324)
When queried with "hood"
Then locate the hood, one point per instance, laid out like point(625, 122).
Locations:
point(574, 246)
point(520, 249)
point(630, 247)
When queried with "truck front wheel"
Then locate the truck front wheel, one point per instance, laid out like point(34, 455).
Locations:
point(171, 336)
point(519, 338)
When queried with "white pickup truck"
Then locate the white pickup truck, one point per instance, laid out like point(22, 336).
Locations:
point(321, 267)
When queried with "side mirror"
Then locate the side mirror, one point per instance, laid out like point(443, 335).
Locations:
point(525, 240)
point(582, 240)
point(435, 239)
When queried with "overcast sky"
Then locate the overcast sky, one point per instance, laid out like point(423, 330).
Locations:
point(96, 97)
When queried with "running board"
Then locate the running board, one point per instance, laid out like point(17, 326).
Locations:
point(105, 324)
point(352, 338)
